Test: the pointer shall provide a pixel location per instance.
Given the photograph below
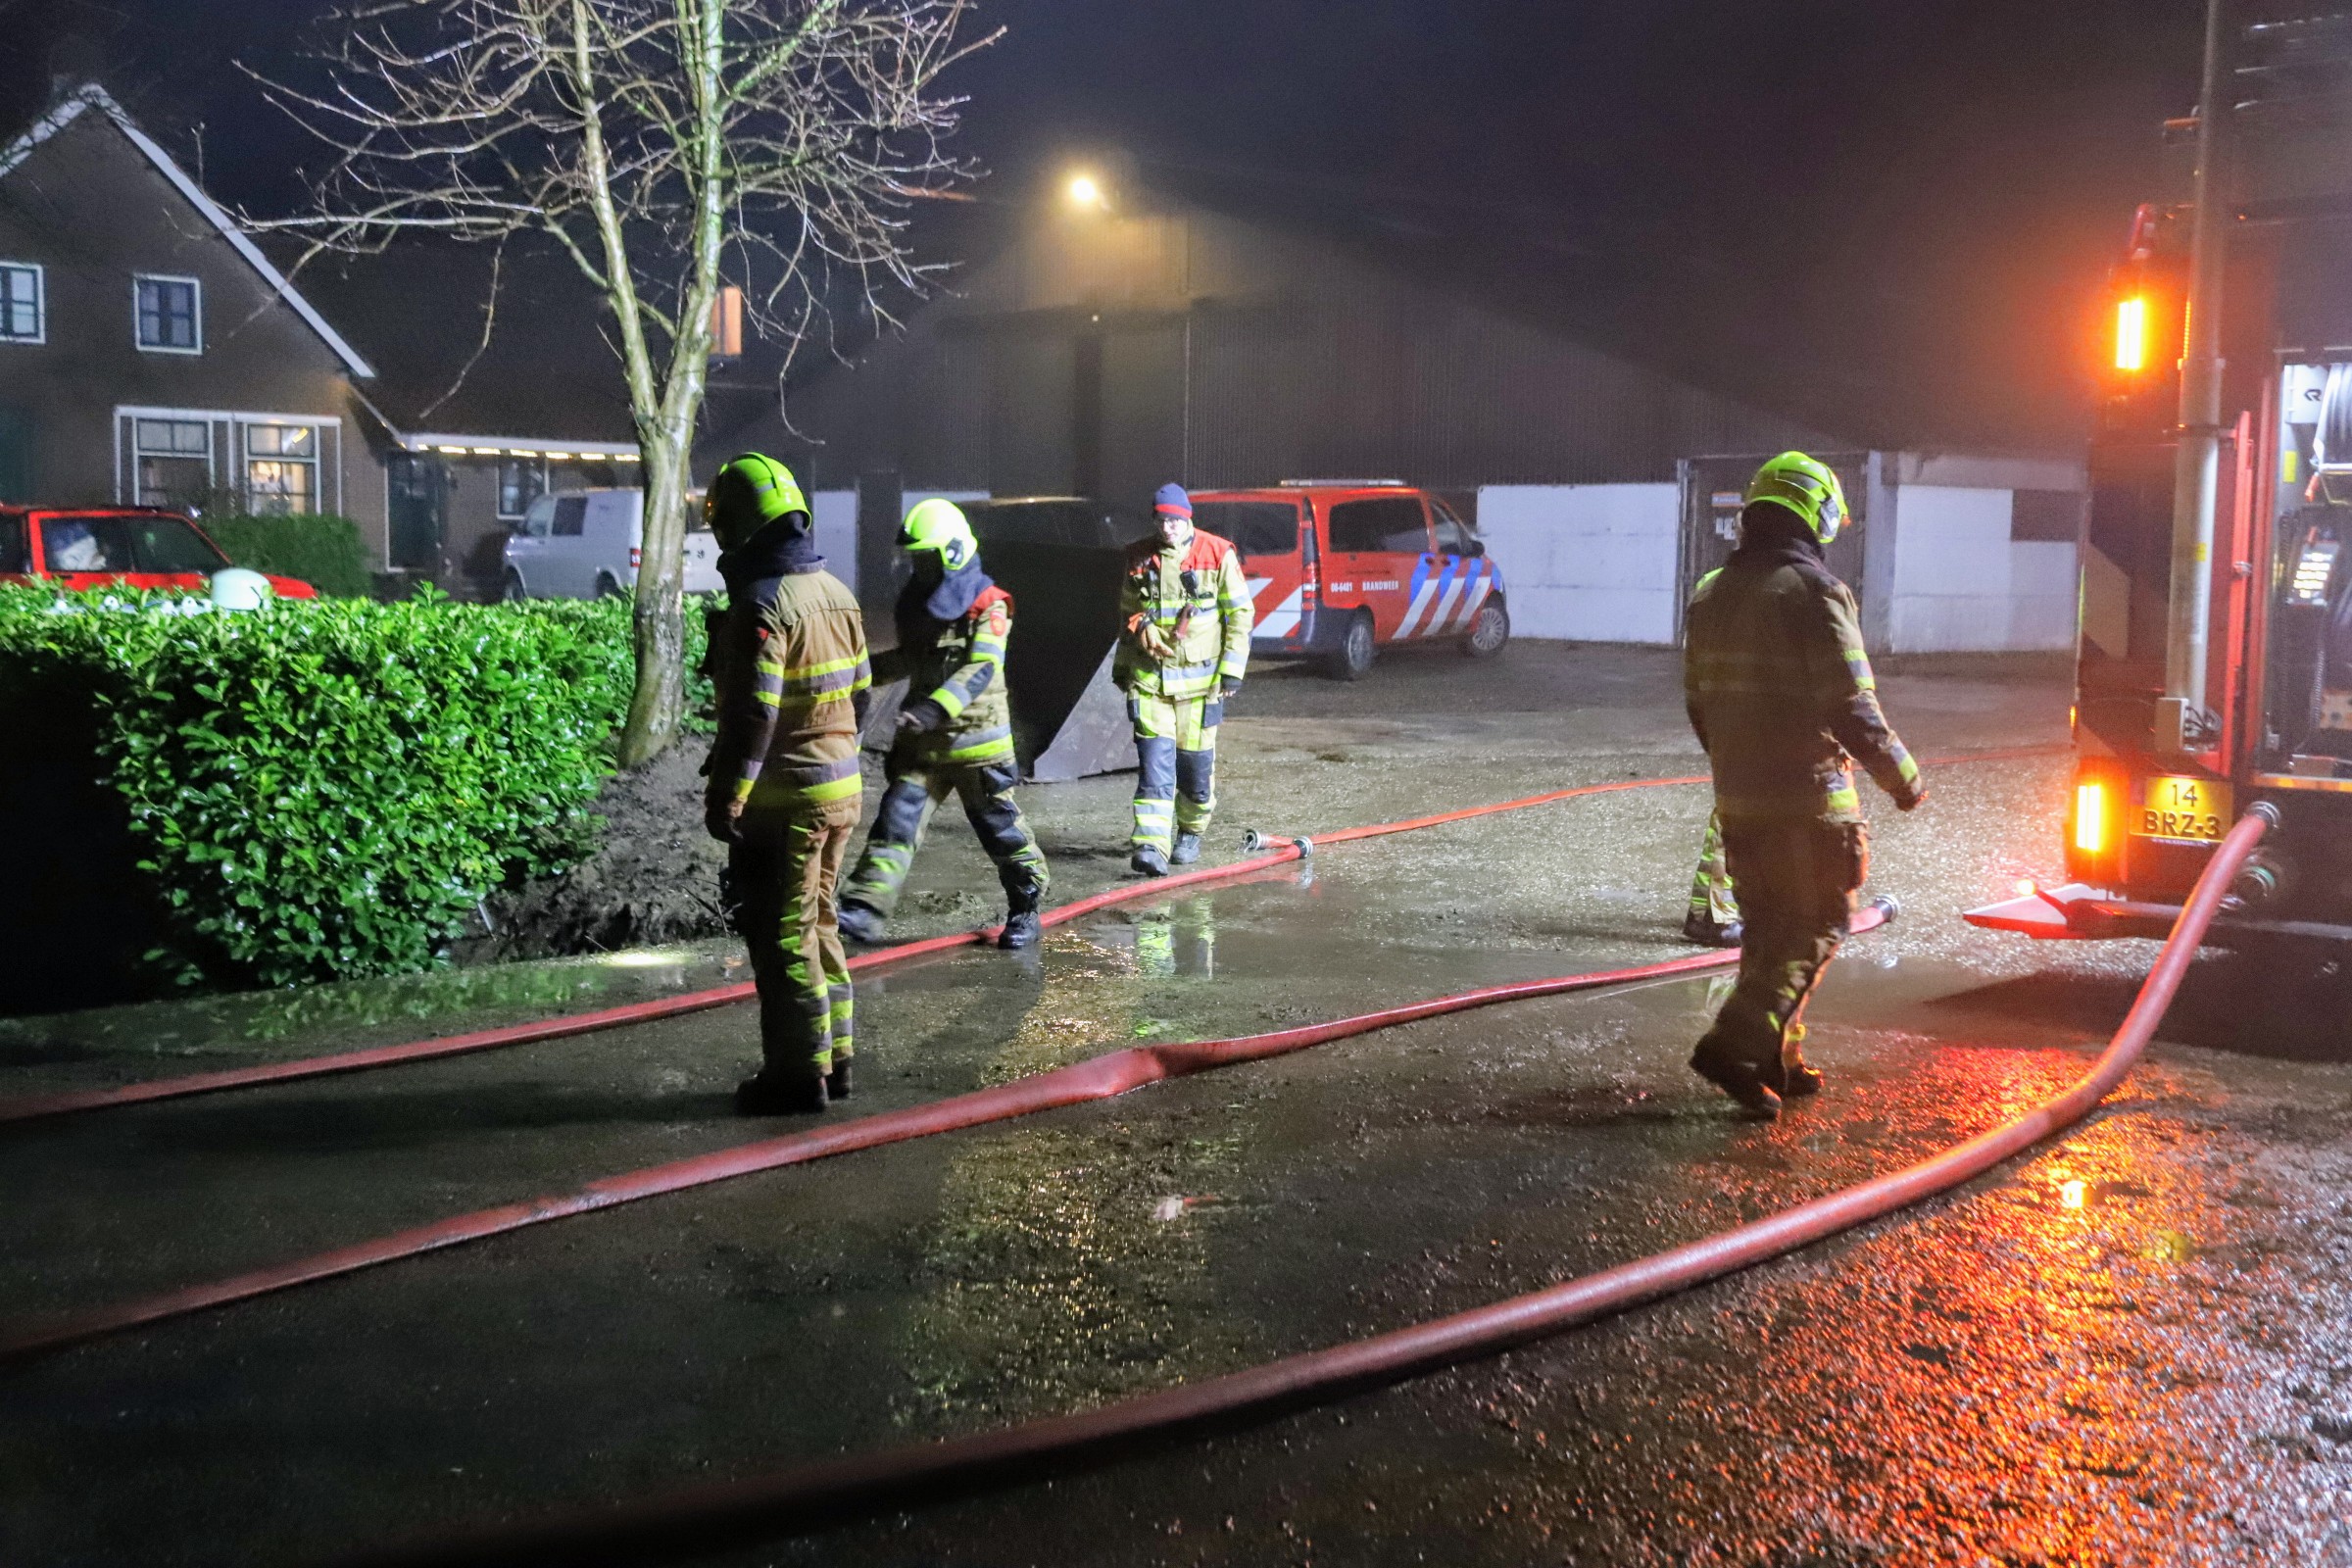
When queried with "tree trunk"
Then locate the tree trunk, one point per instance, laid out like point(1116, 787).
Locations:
point(658, 626)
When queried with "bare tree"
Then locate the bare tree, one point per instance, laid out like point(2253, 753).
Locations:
point(671, 148)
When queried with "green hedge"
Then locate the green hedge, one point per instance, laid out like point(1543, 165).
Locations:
point(325, 789)
point(319, 548)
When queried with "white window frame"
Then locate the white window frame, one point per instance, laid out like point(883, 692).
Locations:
point(331, 471)
point(40, 304)
point(196, 288)
point(246, 457)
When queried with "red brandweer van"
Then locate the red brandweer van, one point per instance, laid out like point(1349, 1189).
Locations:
point(1338, 566)
point(101, 546)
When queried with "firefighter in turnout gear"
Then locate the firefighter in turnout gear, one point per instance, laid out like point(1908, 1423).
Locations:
point(1713, 920)
point(788, 660)
point(1184, 646)
point(1780, 691)
point(955, 733)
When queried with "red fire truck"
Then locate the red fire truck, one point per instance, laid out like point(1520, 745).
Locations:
point(2213, 666)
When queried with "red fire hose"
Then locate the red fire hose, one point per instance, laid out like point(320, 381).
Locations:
point(1100, 1077)
point(798, 1499)
point(32, 1108)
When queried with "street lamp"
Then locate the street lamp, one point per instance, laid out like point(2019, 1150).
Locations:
point(1085, 191)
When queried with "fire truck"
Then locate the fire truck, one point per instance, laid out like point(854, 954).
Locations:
point(2214, 662)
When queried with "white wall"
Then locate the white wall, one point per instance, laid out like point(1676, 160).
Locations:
point(1586, 562)
point(1962, 585)
point(836, 515)
point(2043, 595)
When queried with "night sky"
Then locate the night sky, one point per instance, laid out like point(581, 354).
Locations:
point(1929, 190)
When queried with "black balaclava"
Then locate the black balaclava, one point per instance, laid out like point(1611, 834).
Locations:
point(1769, 529)
point(785, 548)
point(935, 598)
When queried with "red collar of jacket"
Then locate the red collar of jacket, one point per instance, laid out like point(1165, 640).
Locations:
point(1205, 553)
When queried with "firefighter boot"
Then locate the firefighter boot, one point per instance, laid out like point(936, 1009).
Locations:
point(837, 1079)
point(1745, 1081)
point(1020, 921)
point(858, 923)
point(1149, 861)
point(1187, 851)
point(1796, 1081)
point(1702, 929)
point(773, 1093)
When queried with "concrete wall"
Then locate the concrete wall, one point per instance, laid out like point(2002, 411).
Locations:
point(1962, 584)
point(1586, 562)
point(1952, 567)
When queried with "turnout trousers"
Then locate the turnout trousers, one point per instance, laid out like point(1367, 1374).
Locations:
point(1795, 880)
point(782, 875)
point(1711, 896)
point(915, 790)
point(1176, 748)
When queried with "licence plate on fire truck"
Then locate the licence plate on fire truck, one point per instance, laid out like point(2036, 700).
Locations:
point(2190, 810)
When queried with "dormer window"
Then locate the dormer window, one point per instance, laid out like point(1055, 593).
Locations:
point(170, 313)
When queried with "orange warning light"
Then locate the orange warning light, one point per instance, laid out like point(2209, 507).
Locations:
point(2091, 817)
point(2132, 333)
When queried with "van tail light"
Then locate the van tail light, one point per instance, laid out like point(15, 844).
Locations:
point(636, 557)
point(2094, 827)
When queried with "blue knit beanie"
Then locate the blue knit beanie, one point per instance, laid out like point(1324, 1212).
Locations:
point(1172, 502)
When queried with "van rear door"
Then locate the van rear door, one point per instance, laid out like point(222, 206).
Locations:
point(1267, 536)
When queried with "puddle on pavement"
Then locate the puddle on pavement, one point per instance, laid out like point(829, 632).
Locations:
point(345, 1015)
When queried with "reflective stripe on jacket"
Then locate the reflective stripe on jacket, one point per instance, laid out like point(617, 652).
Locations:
point(1177, 640)
point(963, 672)
point(787, 675)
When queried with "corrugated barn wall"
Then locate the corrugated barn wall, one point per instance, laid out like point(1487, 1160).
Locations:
point(1105, 355)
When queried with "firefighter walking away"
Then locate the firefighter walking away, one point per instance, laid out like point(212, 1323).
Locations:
point(954, 734)
point(1184, 646)
point(784, 794)
point(1780, 694)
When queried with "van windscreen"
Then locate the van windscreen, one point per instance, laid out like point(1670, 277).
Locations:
point(1256, 527)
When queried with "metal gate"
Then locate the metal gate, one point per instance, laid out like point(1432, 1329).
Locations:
point(1712, 488)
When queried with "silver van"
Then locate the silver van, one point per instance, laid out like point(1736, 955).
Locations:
point(585, 544)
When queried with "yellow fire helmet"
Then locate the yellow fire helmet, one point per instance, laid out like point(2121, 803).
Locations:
point(746, 495)
point(940, 525)
point(1807, 487)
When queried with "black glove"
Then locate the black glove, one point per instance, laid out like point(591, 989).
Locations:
point(921, 719)
point(718, 819)
point(1230, 685)
point(1912, 798)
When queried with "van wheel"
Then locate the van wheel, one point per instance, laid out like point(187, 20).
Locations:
point(608, 586)
point(1489, 632)
point(1352, 659)
point(513, 592)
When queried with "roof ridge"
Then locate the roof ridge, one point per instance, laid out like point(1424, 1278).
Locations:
point(91, 95)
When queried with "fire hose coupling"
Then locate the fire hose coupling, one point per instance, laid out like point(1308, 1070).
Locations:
point(2268, 811)
point(1256, 843)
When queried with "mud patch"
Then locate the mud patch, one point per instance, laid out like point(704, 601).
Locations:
point(654, 879)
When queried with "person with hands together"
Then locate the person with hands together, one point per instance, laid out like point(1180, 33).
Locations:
point(1184, 647)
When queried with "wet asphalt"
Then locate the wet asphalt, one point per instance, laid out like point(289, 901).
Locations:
point(2132, 1346)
